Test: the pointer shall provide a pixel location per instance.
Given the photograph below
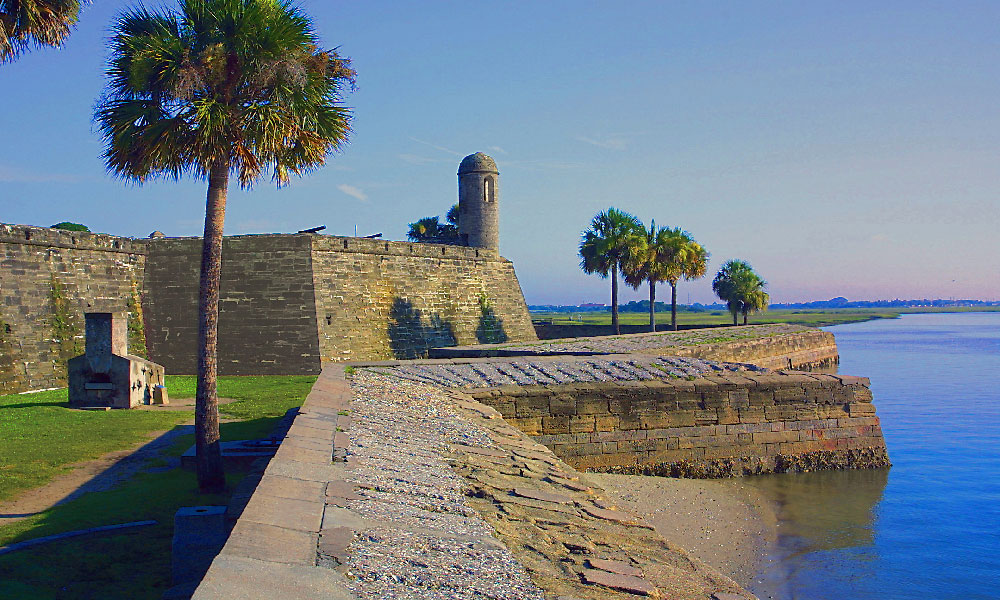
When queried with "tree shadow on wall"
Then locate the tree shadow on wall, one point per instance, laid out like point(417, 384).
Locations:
point(490, 329)
point(411, 335)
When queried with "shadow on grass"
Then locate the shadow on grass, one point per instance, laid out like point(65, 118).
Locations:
point(35, 405)
point(136, 565)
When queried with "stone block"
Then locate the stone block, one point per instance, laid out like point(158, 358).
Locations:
point(199, 534)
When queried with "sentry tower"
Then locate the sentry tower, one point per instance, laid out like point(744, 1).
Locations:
point(478, 202)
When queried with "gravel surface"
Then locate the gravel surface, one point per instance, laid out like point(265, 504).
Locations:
point(428, 543)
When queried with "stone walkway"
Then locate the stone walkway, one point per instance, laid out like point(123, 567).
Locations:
point(479, 373)
point(622, 344)
point(395, 489)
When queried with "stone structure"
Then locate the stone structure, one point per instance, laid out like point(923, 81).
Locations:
point(48, 279)
point(772, 346)
point(713, 426)
point(479, 202)
point(106, 375)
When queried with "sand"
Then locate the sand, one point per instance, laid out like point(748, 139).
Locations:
point(725, 524)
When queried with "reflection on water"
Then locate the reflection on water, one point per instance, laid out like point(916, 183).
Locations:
point(817, 515)
point(929, 527)
point(827, 509)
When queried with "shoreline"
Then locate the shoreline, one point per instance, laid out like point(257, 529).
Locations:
point(726, 525)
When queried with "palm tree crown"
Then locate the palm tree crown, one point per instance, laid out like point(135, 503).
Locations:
point(665, 254)
point(605, 247)
point(27, 23)
point(237, 82)
point(741, 288)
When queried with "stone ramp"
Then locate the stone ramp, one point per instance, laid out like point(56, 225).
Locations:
point(628, 343)
point(552, 370)
point(399, 489)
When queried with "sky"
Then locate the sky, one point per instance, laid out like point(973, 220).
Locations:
point(843, 148)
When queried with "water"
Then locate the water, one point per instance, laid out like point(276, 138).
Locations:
point(929, 527)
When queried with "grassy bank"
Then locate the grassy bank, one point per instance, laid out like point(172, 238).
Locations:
point(40, 438)
point(810, 317)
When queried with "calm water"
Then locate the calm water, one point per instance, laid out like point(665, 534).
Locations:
point(930, 526)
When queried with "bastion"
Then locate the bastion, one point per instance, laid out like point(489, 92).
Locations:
point(289, 303)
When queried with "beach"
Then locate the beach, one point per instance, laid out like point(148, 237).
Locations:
point(721, 522)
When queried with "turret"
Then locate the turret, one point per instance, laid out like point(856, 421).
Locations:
point(479, 202)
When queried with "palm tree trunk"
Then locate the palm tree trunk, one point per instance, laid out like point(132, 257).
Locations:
point(673, 305)
point(745, 317)
point(614, 299)
point(652, 305)
point(735, 313)
point(211, 478)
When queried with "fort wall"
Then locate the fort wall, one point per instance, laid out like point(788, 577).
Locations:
point(48, 279)
point(717, 426)
point(288, 303)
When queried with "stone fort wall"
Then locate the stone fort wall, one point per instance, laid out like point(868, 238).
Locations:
point(48, 279)
point(289, 303)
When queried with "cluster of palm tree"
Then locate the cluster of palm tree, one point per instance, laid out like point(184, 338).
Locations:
point(432, 230)
point(618, 243)
point(741, 289)
point(211, 89)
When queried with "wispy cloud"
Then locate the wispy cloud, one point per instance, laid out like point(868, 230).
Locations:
point(611, 142)
point(354, 192)
point(436, 147)
point(415, 159)
point(496, 149)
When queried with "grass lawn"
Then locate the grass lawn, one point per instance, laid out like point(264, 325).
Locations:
point(811, 317)
point(40, 436)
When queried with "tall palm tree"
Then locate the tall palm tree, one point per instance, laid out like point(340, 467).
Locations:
point(604, 248)
point(219, 87)
point(741, 288)
point(27, 23)
point(649, 262)
point(689, 260)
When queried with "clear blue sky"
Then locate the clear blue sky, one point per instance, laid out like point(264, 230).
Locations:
point(846, 148)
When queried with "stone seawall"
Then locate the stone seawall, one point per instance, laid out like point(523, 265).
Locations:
point(813, 349)
point(48, 279)
point(714, 426)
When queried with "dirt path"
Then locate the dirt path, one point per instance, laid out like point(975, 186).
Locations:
point(95, 475)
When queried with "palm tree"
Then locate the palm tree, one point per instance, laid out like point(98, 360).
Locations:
point(432, 230)
point(27, 23)
point(215, 88)
point(689, 260)
point(741, 288)
point(607, 245)
point(648, 262)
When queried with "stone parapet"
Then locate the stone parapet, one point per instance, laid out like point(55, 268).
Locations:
point(715, 426)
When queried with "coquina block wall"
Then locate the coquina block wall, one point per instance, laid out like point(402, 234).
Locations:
point(802, 350)
point(48, 279)
point(288, 303)
point(718, 426)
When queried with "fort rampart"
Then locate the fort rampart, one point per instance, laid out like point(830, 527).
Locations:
point(714, 426)
point(289, 303)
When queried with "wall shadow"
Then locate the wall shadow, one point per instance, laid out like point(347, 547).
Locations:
point(490, 329)
point(412, 334)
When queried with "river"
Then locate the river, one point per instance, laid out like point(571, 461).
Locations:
point(929, 527)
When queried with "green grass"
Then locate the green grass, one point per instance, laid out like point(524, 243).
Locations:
point(40, 437)
point(810, 317)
